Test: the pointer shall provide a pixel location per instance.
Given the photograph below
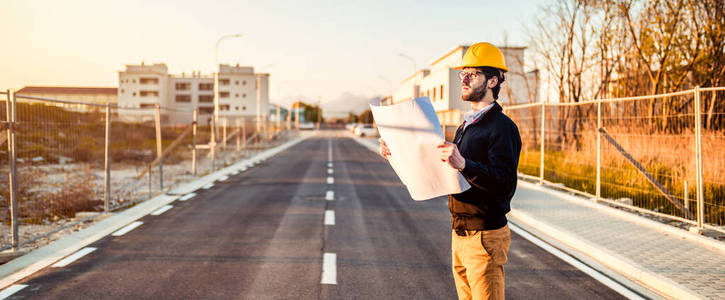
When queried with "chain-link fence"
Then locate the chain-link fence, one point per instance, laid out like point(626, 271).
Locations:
point(59, 158)
point(651, 153)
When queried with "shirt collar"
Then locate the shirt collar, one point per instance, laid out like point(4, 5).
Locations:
point(471, 116)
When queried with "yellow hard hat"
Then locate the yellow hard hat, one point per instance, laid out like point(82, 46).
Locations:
point(483, 55)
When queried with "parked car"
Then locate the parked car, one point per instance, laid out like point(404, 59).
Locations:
point(364, 130)
point(307, 126)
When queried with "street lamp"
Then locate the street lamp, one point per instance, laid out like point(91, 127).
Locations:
point(216, 76)
point(415, 66)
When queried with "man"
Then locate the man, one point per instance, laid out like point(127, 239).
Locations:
point(486, 151)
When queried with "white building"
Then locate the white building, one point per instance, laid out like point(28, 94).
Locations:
point(242, 94)
point(440, 82)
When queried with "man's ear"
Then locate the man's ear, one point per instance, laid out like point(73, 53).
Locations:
point(492, 82)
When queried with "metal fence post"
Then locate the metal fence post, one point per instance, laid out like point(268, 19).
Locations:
point(543, 138)
point(107, 161)
point(599, 150)
point(12, 175)
point(698, 160)
point(212, 144)
point(193, 142)
point(159, 152)
point(244, 133)
point(687, 196)
point(238, 137)
point(224, 133)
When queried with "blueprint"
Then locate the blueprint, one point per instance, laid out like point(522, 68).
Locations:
point(412, 131)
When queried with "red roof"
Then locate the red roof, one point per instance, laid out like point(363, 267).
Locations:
point(67, 90)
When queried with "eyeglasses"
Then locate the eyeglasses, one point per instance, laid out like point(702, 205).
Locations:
point(470, 75)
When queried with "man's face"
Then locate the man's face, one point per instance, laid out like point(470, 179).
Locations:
point(473, 87)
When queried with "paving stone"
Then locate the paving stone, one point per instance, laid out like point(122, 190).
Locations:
point(688, 263)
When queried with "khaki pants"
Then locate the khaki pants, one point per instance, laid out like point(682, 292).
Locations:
point(478, 260)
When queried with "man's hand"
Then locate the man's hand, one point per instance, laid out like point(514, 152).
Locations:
point(449, 153)
point(384, 151)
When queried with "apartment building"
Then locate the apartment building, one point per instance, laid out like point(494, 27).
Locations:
point(439, 81)
point(242, 94)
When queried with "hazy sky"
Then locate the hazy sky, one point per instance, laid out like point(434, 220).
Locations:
point(311, 48)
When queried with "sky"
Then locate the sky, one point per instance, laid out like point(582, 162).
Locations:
point(330, 51)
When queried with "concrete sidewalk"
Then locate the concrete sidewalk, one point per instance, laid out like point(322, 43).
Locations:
point(628, 248)
point(670, 261)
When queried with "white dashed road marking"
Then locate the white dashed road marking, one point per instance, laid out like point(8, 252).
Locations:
point(329, 217)
point(330, 195)
point(161, 210)
point(329, 165)
point(187, 196)
point(329, 171)
point(330, 180)
point(128, 228)
point(329, 268)
point(12, 290)
point(68, 260)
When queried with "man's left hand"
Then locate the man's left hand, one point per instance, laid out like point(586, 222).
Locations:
point(449, 153)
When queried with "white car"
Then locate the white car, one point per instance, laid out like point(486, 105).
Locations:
point(364, 130)
point(307, 126)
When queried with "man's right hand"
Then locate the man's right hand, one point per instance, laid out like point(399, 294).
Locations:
point(384, 151)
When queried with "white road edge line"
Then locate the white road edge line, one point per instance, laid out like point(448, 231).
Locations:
point(622, 290)
point(12, 290)
point(330, 195)
point(329, 268)
point(187, 196)
point(75, 256)
point(128, 228)
point(329, 217)
point(208, 186)
point(161, 210)
point(223, 178)
point(330, 180)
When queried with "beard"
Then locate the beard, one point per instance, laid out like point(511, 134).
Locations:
point(475, 95)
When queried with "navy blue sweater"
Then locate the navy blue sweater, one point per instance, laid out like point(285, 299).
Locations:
point(491, 146)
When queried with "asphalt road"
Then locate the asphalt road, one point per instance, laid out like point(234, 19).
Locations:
point(262, 235)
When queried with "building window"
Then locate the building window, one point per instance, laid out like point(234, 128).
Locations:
point(224, 107)
point(133, 81)
point(236, 82)
point(147, 105)
point(244, 95)
point(441, 91)
point(134, 94)
point(183, 86)
point(149, 93)
point(224, 81)
point(434, 94)
point(206, 86)
point(244, 82)
point(183, 98)
point(236, 108)
point(206, 98)
point(206, 109)
point(236, 95)
point(148, 80)
point(427, 93)
point(244, 108)
point(223, 94)
point(121, 91)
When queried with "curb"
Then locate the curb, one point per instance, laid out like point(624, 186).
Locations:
point(40, 258)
